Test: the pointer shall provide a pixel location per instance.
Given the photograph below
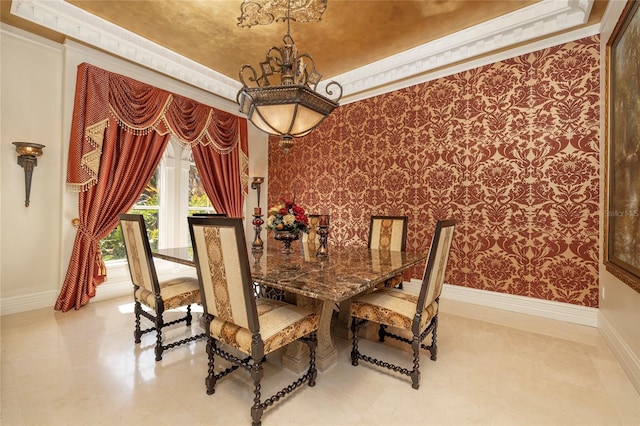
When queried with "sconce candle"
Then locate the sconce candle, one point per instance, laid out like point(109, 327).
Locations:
point(257, 211)
point(323, 221)
point(255, 184)
point(27, 159)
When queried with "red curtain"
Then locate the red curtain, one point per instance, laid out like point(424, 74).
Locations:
point(219, 174)
point(119, 130)
point(116, 190)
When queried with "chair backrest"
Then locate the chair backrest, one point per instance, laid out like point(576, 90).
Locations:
point(434, 271)
point(312, 236)
point(210, 214)
point(311, 241)
point(139, 257)
point(388, 232)
point(224, 274)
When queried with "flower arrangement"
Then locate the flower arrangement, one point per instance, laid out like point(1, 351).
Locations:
point(288, 216)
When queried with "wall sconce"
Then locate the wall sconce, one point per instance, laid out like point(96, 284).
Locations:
point(255, 184)
point(27, 159)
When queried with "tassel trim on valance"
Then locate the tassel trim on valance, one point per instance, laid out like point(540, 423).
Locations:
point(90, 161)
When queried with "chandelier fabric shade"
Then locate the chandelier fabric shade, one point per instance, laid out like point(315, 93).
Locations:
point(285, 110)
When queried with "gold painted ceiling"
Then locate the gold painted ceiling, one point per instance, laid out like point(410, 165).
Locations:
point(351, 34)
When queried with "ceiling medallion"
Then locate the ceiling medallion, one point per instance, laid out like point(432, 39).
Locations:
point(291, 108)
point(265, 12)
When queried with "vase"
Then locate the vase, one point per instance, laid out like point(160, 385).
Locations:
point(287, 237)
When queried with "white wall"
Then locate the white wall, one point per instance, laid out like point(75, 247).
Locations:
point(258, 166)
point(38, 86)
point(30, 111)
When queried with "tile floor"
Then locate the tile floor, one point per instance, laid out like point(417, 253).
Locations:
point(493, 368)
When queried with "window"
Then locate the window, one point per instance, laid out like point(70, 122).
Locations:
point(148, 205)
point(174, 192)
point(198, 200)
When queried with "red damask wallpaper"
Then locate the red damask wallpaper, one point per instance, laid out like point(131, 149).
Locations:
point(509, 149)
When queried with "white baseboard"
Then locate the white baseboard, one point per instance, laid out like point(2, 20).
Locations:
point(47, 299)
point(112, 290)
point(121, 286)
point(525, 305)
point(628, 360)
point(29, 302)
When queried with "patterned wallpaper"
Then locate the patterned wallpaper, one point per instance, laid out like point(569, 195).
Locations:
point(509, 149)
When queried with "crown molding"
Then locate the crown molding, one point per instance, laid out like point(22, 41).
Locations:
point(73, 22)
point(428, 75)
point(541, 19)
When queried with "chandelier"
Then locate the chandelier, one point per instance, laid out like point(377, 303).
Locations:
point(289, 108)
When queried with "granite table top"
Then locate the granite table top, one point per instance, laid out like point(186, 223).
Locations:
point(344, 273)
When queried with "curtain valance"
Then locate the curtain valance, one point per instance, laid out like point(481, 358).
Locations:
point(113, 99)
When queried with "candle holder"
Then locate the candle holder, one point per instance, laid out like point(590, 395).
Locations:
point(257, 222)
point(27, 159)
point(323, 232)
point(257, 255)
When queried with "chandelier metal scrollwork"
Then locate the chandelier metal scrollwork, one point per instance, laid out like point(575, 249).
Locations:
point(290, 107)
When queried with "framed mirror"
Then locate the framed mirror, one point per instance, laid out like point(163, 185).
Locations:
point(622, 219)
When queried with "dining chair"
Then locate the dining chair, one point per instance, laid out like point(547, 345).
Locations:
point(389, 233)
point(158, 296)
point(236, 319)
point(409, 312)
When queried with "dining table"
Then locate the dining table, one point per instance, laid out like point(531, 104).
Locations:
point(322, 283)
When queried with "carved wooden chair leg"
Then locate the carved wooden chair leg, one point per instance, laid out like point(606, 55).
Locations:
point(189, 316)
point(433, 349)
point(312, 343)
point(382, 331)
point(137, 334)
point(415, 373)
point(256, 411)
point(354, 351)
point(159, 324)
point(210, 380)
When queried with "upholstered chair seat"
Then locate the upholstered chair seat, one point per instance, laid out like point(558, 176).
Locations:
point(406, 310)
point(174, 293)
point(392, 307)
point(280, 324)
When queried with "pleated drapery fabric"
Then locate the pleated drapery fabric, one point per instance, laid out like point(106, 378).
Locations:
point(119, 131)
point(221, 191)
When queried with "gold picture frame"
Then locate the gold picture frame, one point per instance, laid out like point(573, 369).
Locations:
point(622, 218)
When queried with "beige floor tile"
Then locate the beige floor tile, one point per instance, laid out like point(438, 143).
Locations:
point(494, 368)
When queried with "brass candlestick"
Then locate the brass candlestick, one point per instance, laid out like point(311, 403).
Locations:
point(257, 222)
point(323, 232)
